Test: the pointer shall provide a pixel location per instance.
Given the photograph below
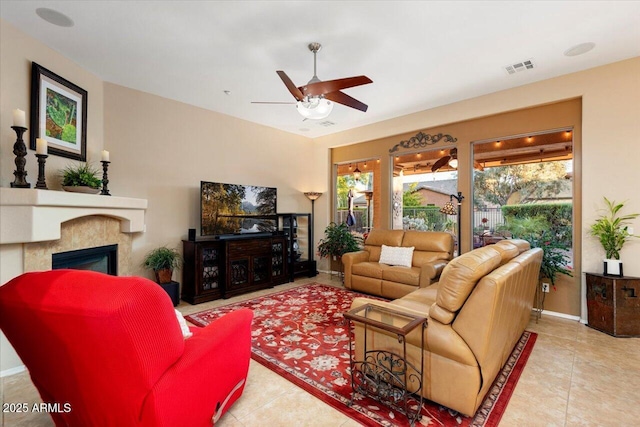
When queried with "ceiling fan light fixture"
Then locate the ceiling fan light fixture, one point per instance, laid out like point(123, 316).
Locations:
point(453, 163)
point(314, 107)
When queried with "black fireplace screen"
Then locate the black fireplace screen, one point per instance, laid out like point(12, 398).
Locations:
point(103, 259)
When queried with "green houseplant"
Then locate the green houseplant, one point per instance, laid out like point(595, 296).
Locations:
point(338, 240)
point(163, 261)
point(535, 230)
point(81, 175)
point(612, 230)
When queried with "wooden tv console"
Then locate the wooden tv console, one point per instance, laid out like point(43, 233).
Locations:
point(222, 268)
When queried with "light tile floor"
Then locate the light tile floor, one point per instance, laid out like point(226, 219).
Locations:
point(575, 376)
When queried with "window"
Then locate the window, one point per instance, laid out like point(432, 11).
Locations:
point(523, 188)
point(356, 194)
point(419, 192)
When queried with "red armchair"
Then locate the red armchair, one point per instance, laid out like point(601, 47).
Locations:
point(112, 350)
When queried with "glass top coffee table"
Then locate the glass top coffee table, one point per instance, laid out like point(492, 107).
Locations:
point(386, 375)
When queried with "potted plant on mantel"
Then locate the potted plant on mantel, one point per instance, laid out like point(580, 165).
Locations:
point(612, 230)
point(81, 178)
point(338, 240)
point(163, 261)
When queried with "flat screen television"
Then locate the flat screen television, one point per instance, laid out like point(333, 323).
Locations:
point(236, 209)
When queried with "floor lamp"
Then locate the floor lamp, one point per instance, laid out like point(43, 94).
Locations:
point(448, 209)
point(313, 196)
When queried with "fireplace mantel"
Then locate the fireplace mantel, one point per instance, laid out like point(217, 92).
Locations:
point(29, 215)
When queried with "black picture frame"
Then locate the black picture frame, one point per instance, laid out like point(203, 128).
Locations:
point(54, 97)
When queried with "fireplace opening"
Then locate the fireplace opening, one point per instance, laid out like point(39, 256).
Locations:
point(103, 259)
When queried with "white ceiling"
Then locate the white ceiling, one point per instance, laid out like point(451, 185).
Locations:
point(419, 54)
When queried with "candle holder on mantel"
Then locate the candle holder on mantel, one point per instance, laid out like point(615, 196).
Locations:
point(105, 179)
point(20, 150)
point(41, 184)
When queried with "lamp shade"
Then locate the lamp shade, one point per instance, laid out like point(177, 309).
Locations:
point(312, 195)
point(448, 209)
point(314, 108)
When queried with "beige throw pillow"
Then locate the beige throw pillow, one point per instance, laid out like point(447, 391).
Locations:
point(396, 255)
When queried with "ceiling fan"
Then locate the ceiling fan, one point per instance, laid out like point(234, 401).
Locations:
point(452, 160)
point(314, 98)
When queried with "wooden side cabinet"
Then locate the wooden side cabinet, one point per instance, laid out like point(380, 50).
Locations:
point(203, 271)
point(613, 304)
point(222, 268)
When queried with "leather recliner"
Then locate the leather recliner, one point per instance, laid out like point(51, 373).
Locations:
point(476, 314)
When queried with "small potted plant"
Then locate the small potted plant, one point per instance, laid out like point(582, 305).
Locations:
point(81, 178)
point(163, 261)
point(612, 229)
point(338, 240)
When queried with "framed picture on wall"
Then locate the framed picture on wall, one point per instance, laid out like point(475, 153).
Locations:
point(58, 114)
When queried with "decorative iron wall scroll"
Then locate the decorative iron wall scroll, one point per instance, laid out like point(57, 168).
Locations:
point(421, 140)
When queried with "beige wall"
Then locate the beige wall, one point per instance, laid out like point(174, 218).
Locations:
point(567, 114)
point(18, 51)
point(552, 116)
point(610, 150)
point(161, 149)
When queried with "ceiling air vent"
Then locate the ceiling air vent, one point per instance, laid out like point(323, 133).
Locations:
point(519, 67)
point(326, 123)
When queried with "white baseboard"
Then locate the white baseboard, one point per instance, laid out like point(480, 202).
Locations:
point(331, 272)
point(12, 371)
point(562, 315)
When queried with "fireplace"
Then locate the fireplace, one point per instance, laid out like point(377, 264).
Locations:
point(103, 259)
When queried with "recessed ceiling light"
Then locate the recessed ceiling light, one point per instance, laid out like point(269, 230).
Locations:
point(54, 17)
point(579, 49)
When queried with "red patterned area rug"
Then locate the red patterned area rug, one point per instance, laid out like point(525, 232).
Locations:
point(301, 335)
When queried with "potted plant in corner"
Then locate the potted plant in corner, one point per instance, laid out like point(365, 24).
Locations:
point(536, 230)
point(612, 230)
point(81, 178)
point(163, 261)
point(338, 240)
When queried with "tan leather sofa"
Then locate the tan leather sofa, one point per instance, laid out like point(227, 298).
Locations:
point(363, 272)
point(476, 315)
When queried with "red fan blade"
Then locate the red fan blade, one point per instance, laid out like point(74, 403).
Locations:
point(440, 163)
point(292, 87)
point(322, 88)
point(344, 99)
